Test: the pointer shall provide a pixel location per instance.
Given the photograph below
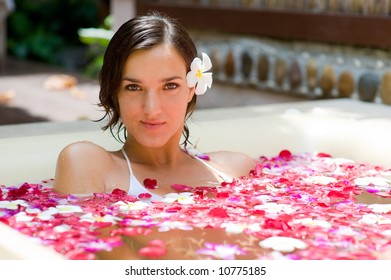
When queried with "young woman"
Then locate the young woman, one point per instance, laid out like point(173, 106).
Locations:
point(149, 81)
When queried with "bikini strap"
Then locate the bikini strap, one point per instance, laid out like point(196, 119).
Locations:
point(135, 187)
point(195, 154)
point(127, 161)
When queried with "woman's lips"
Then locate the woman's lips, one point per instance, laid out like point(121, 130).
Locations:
point(152, 124)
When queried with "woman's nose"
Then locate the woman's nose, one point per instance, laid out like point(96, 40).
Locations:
point(152, 102)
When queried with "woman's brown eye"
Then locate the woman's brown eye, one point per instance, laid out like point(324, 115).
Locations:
point(133, 87)
point(171, 86)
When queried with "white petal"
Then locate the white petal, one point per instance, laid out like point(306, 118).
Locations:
point(172, 195)
point(207, 64)
point(207, 77)
point(187, 194)
point(22, 217)
point(282, 244)
point(234, 228)
point(283, 247)
point(186, 201)
point(191, 79)
point(377, 181)
point(201, 88)
point(195, 65)
point(321, 180)
point(62, 228)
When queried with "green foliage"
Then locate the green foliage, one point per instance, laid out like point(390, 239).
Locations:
point(40, 29)
point(97, 39)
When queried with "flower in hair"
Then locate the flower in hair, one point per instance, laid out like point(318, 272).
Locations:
point(198, 76)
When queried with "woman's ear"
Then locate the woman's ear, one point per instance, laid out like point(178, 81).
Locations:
point(191, 94)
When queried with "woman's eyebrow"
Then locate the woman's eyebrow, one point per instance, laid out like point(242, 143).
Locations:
point(171, 78)
point(132, 80)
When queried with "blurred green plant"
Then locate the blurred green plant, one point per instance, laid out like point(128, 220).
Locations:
point(97, 39)
point(40, 29)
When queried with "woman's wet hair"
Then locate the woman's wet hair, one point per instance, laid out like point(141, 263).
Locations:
point(139, 33)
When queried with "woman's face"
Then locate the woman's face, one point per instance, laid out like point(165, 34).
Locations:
point(153, 96)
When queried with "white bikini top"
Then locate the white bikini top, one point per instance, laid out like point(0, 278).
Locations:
point(136, 188)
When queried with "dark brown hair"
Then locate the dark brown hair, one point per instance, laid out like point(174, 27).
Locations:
point(139, 33)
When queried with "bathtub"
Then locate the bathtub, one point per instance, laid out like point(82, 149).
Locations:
point(344, 128)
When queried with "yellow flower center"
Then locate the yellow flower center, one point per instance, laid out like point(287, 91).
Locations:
point(100, 219)
point(199, 74)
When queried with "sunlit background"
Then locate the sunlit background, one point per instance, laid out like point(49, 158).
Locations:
point(263, 51)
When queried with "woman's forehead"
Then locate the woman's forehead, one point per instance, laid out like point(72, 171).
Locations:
point(158, 55)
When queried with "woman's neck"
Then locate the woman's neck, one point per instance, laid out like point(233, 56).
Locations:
point(169, 155)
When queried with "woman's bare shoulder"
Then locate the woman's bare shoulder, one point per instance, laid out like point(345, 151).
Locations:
point(237, 163)
point(83, 152)
point(81, 165)
point(83, 146)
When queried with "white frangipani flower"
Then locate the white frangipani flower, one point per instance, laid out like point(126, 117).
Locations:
point(345, 230)
point(372, 181)
point(168, 225)
point(283, 244)
point(62, 228)
point(233, 228)
point(265, 198)
point(380, 208)
point(320, 180)
point(387, 233)
point(372, 219)
point(48, 214)
point(255, 227)
point(182, 198)
point(32, 213)
point(23, 217)
point(67, 208)
point(221, 251)
point(13, 205)
point(92, 218)
point(131, 206)
point(226, 252)
point(313, 223)
point(197, 76)
point(275, 208)
point(369, 219)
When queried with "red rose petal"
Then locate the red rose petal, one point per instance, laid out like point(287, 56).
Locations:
point(119, 192)
point(157, 243)
point(129, 231)
point(234, 200)
point(218, 213)
point(144, 196)
point(173, 209)
point(285, 155)
point(155, 249)
point(150, 183)
point(324, 155)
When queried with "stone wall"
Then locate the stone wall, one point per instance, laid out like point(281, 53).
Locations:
point(359, 7)
point(300, 68)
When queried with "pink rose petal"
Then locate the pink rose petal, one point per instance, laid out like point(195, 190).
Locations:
point(181, 188)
